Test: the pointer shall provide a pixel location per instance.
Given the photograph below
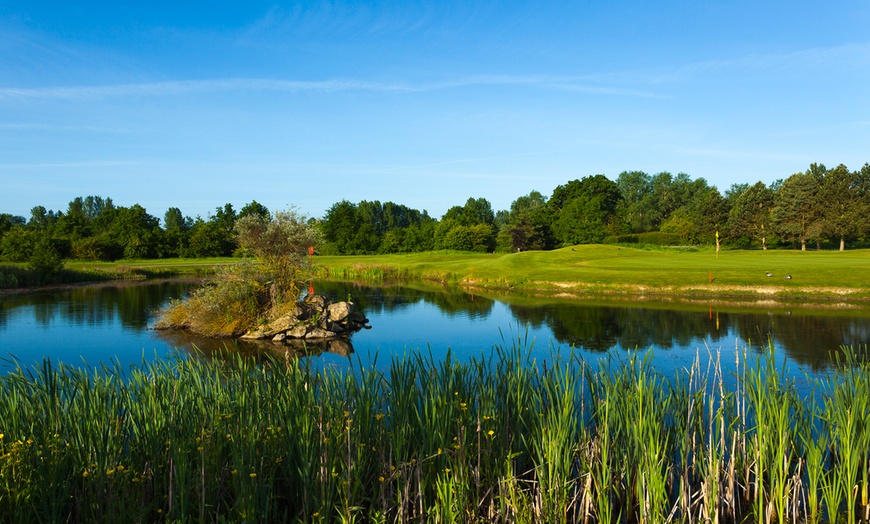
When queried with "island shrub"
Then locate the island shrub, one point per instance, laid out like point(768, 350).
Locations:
point(244, 295)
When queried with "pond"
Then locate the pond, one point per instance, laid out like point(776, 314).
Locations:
point(109, 323)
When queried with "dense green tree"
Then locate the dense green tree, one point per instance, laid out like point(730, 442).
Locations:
point(527, 225)
point(135, 231)
point(176, 232)
point(206, 239)
point(338, 227)
point(8, 221)
point(844, 204)
point(586, 210)
point(255, 209)
point(750, 216)
point(419, 237)
point(44, 258)
point(637, 207)
point(797, 211)
point(467, 228)
point(225, 217)
point(174, 220)
point(41, 218)
point(75, 223)
point(733, 193)
point(700, 219)
point(17, 244)
point(372, 227)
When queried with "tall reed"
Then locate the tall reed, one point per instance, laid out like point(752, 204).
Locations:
point(499, 438)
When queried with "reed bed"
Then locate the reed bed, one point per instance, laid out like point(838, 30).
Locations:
point(500, 438)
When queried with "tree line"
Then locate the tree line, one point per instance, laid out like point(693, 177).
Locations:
point(818, 206)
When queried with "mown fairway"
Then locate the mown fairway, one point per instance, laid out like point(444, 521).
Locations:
point(829, 273)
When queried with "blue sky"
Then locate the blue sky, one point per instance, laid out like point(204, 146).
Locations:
point(194, 104)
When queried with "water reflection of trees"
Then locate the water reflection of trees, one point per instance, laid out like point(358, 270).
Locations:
point(807, 337)
point(386, 299)
point(599, 328)
point(128, 303)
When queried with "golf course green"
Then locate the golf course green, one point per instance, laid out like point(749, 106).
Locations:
point(611, 269)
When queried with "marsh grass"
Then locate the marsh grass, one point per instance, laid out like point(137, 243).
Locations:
point(500, 438)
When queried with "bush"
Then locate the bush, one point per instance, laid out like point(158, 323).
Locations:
point(654, 238)
point(45, 259)
point(227, 305)
point(244, 295)
point(7, 280)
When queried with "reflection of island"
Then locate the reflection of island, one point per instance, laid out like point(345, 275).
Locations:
point(260, 349)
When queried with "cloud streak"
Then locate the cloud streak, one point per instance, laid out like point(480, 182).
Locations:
point(184, 87)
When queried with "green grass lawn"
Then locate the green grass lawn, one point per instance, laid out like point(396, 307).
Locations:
point(829, 273)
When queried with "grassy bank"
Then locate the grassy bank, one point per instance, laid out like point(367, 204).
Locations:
point(498, 439)
point(609, 269)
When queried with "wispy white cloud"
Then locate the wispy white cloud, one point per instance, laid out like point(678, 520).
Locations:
point(58, 165)
point(847, 56)
point(183, 87)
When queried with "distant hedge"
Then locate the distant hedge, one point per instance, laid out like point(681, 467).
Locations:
point(655, 238)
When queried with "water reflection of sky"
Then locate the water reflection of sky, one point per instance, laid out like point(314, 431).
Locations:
point(74, 343)
point(109, 323)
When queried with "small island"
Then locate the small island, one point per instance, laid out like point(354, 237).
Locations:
point(257, 299)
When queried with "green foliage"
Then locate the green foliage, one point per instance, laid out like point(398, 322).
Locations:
point(17, 245)
point(750, 217)
point(797, 212)
point(254, 208)
point(242, 295)
point(585, 210)
point(654, 238)
point(528, 225)
point(8, 280)
point(8, 221)
point(349, 228)
point(281, 244)
point(228, 304)
point(44, 259)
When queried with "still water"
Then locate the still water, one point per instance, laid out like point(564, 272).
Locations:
point(93, 325)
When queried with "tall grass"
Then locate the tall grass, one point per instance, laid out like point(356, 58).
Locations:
point(500, 438)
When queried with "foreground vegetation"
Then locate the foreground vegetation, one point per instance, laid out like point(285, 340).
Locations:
point(615, 269)
point(499, 438)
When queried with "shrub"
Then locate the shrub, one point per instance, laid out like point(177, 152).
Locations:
point(241, 296)
point(227, 305)
point(45, 259)
point(654, 238)
point(7, 279)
